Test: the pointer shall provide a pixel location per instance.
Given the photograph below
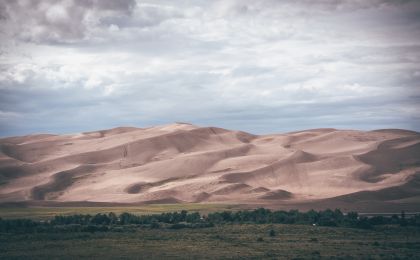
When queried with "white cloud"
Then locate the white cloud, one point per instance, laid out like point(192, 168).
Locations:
point(240, 64)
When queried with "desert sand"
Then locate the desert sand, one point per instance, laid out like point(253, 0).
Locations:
point(368, 170)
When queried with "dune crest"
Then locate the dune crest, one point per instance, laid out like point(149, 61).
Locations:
point(185, 163)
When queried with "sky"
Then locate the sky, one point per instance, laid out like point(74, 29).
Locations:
point(261, 66)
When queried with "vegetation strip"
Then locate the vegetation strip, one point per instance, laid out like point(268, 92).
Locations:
point(177, 220)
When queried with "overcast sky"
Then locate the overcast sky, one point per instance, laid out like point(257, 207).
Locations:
point(259, 66)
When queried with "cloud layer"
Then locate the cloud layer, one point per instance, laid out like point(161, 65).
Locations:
point(261, 66)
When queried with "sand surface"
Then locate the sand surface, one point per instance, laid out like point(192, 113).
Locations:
point(186, 163)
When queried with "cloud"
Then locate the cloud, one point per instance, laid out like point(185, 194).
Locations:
point(59, 21)
point(260, 66)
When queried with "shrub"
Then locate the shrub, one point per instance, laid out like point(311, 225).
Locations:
point(179, 226)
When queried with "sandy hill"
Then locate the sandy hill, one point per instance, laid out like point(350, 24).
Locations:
point(186, 163)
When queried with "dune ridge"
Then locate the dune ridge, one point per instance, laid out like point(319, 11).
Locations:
point(185, 163)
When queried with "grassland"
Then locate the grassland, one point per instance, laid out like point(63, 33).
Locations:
point(251, 241)
point(222, 241)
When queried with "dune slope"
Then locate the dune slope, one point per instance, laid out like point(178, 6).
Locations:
point(186, 163)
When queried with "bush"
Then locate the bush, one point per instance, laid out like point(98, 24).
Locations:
point(94, 228)
point(364, 223)
point(154, 225)
point(179, 226)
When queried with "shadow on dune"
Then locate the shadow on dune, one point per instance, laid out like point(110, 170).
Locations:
point(60, 181)
point(391, 156)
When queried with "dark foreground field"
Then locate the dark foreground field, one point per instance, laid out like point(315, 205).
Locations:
point(215, 233)
point(222, 241)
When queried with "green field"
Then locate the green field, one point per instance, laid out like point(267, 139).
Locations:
point(43, 213)
point(224, 241)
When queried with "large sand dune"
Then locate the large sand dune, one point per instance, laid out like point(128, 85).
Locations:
point(185, 163)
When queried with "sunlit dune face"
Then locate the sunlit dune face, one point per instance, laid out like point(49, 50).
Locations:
point(186, 163)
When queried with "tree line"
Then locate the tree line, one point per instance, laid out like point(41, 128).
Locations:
point(175, 220)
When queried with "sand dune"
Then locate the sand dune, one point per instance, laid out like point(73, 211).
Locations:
point(186, 163)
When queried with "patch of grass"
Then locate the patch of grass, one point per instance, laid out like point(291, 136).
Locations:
point(222, 241)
